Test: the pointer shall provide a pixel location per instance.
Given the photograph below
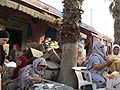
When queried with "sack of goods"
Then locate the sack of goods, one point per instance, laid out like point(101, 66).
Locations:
point(116, 63)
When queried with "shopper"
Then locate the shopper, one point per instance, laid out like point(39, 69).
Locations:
point(4, 37)
point(97, 64)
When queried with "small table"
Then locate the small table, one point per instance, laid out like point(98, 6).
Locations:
point(51, 85)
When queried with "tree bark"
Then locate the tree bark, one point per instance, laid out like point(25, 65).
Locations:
point(116, 16)
point(69, 57)
point(70, 36)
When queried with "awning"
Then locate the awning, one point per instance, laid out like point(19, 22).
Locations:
point(32, 12)
point(83, 25)
point(83, 35)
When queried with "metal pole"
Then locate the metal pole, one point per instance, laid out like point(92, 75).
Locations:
point(91, 10)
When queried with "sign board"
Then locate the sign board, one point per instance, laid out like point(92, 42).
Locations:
point(31, 54)
point(50, 53)
point(18, 23)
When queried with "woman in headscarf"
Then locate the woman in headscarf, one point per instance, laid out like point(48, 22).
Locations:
point(32, 74)
point(115, 52)
point(97, 64)
point(11, 83)
point(21, 62)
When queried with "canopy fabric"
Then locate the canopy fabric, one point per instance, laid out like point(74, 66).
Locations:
point(83, 25)
point(32, 12)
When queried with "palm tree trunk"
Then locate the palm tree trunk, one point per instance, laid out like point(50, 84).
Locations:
point(116, 15)
point(69, 36)
point(117, 30)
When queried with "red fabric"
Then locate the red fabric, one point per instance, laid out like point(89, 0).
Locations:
point(89, 53)
point(24, 62)
point(107, 54)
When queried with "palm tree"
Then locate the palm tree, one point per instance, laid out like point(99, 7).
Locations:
point(115, 10)
point(70, 35)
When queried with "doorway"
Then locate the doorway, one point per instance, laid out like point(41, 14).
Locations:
point(15, 37)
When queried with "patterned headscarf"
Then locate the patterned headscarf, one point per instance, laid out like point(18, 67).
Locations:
point(96, 49)
point(39, 61)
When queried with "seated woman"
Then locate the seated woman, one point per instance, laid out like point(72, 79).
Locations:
point(115, 51)
point(32, 74)
point(10, 83)
point(97, 64)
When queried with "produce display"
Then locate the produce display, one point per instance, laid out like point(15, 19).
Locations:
point(49, 44)
point(116, 63)
point(112, 75)
point(113, 58)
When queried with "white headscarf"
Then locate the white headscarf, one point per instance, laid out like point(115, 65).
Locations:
point(96, 49)
point(115, 45)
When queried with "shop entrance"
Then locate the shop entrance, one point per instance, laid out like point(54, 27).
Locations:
point(15, 36)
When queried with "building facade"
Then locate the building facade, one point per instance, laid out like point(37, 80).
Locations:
point(27, 20)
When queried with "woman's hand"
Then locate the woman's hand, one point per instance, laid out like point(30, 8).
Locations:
point(108, 63)
point(38, 79)
point(102, 65)
point(99, 66)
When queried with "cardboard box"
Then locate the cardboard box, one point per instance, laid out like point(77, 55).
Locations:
point(52, 53)
point(31, 54)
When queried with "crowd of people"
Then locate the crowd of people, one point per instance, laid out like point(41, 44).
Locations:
point(24, 75)
point(98, 63)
